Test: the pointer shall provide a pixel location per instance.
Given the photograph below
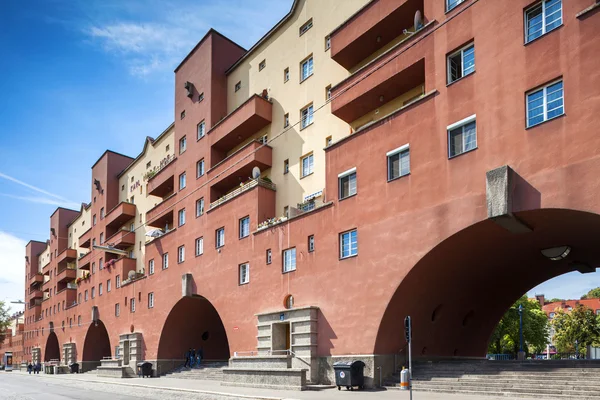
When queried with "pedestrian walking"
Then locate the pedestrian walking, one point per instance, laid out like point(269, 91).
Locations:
point(187, 356)
point(192, 358)
point(29, 368)
point(200, 355)
point(38, 368)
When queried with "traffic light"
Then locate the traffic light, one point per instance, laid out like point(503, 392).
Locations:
point(407, 328)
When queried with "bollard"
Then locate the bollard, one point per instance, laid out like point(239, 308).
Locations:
point(404, 379)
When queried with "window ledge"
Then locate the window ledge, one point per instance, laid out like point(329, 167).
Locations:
point(548, 120)
point(584, 13)
point(244, 237)
point(461, 78)
point(198, 177)
point(347, 257)
point(305, 79)
point(306, 176)
point(305, 126)
point(348, 197)
point(544, 35)
point(399, 177)
point(201, 137)
point(464, 152)
point(287, 272)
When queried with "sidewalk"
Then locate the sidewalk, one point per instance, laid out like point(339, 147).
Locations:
point(215, 388)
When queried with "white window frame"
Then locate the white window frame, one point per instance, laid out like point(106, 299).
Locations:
point(399, 151)
point(244, 278)
point(200, 206)
point(181, 254)
point(117, 309)
point(305, 27)
point(286, 75)
point(182, 181)
point(118, 281)
point(165, 261)
point(544, 90)
point(132, 304)
point(99, 290)
point(461, 124)
point(310, 68)
point(306, 116)
point(151, 300)
point(108, 286)
point(544, 28)
point(346, 174)
point(350, 254)
point(199, 246)
point(181, 217)
point(452, 4)
point(93, 292)
point(311, 243)
point(327, 42)
point(238, 86)
point(200, 168)
point(220, 237)
point(151, 267)
point(306, 170)
point(182, 145)
point(269, 256)
point(286, 120)
point(289, 262)
point(244, 227)
point(460, 52)
point(201, 130)
point(262, 65)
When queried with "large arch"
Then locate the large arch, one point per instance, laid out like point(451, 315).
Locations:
point(52, 349)
point(459, 290)
point(193, 323)
point(96, 346)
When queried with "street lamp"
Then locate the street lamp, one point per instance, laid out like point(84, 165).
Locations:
point(520, 330)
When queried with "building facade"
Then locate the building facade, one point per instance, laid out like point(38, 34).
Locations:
point(13, 339)
point(363, 161)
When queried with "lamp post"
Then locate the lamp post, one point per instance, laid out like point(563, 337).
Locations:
point(521, 353)
point(576, 349)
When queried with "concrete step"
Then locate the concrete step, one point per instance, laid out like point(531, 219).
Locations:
point(504, 394)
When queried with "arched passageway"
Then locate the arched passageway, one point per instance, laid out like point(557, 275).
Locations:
point(52, 349)
point(193, 323)
point(96, 346)
point(458, 291)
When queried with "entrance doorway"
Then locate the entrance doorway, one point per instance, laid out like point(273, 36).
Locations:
point(281, 337)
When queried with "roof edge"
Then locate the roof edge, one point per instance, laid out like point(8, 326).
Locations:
point(210, 32)
point(146, 141)
point(110, 151)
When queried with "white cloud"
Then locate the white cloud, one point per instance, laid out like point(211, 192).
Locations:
point(12, 269)
point(34, 188)
point(44, 200)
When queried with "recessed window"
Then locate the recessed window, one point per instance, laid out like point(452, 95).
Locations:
point(461, 63)
point(542, 18)
point(182, 115)
point(201, 97)
point(450, 4)
point(327, 42)
point(328, 141)
point(244, 273)
point(181, 254)
point(306, 116)
point(262, 65)
point(93, 268)
point(182, 145)
point(269, 257)
point(220, 237)
point(244, 227)
point(100, 289)
point(462, 136)
point(311, 243)
point(201, 129)
point(348, 244)
point(286, 211)
point(151, 267)
point(181, 217)
point(238, 86)
point(117, 310)
point(165, 260)
point(289, 260)
point(263, 139)
point(132, 304)
point(347, 183)
point(102, 212)
point(148, 164)
point(200, 168)
point(117, 281)
point(199, 246)
point(288, 302)
point(286, 75)
point(93, 292)
point(151, 300)
point(182, 181)
point(199, 207)
point(306, 68)
point(286, 120)
point(306, 26)
point(286, 166)
point(398, 162)
point(108, 285)
point(307, 165)
point(94, 220)
point(545, 103)
point(167, 147)
point(328, 93)
point(85, 295)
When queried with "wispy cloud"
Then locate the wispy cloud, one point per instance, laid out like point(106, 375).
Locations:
point(12, 264)
point(48, 198)
point(34, 188)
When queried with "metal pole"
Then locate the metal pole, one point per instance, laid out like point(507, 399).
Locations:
point(521, 328)
point(410, 364)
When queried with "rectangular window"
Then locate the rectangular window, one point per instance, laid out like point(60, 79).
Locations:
point(306, 116)
point(450, 4)
point(200, 97)
point(307, 165)
point(545, 103)
point(220, 237)
point(93, 268)
point(181, 254)
point(307, 25)
point(542, 18)
point(348, 244)
point(328, 141)
point(347, 183)
point(269, 259)
point(461, 63)
point(263, 139)
point(165, 259)
point(327, 42)
point(100, 289)
point(289, 260)
point(101, 263)
point(94, 220)
point(182, 115)
point(182, 145)
point(306, 68)
point(238, 86)
point(200, 168)
point(462, 136)
point(102, 212)
point(199, 207)
point(117, 281)
point(244, 273)
point(132, 304)
point(181, 217)
point(182, 181)
point(286, 211)
point(286, 75)
point(199, 246)
point(117, 310)
point(151, 300)
point(398, 162)
point(286, 166)
point(85, 296)
point(93, 292)
point(108, 285)
point(286, 120)
point(151, 267)
point(262, 65)
point(311, 243)
point(201, 130)
point(244, 227)
point(101, 237)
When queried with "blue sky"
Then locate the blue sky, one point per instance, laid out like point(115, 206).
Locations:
point(81, 76)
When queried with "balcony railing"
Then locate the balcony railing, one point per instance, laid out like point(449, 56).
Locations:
point(162, 181)
point(84, 260)
point(66, 256)
point(68, 294)
point(66, 275)
point(85, 239)
point(120, 215)
point(35, 294)
point(243, 188)
point(36, 279)
point(162, 213)
point(122, 239)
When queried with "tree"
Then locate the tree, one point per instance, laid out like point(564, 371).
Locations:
point(555, 300)
point(592, 294)
point(505, 338)
point(4, 320)
point(581, 325)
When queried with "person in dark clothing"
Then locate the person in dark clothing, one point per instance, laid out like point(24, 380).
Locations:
point(29, 368)
point(187, 358)
point(200, 355)
point(192, 358)
point(38, 367)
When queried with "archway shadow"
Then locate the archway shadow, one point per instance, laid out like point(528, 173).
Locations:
point(95, 347)
point(52, 349)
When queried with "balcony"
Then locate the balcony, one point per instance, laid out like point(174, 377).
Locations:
point(119, 215)
point(36, 279)
point(241, 190)
point(238, 167)
point(122, 239)
point(234, 129)
point(161, 215)
point(162, 181)
point(66, 275)
point(123, 266)
point(36, 309)
point(85, 240)
point(84, 261)
point(372, 29)
point(35, 294)
point(66, 256)
point(68, 295)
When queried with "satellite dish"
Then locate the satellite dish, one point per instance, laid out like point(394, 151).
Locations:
point(131, 274)
point(255, 172)
point(418, 19)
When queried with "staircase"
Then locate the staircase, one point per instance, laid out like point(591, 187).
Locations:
point(210, 370)
point(554, 379)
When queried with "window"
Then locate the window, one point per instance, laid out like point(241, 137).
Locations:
point(151, 300)
point(311, 243)
point(79, 320)
point(93, 268)
point(348, 244)
point(244, 273)
point(286, 211)
point(101, 237)
point(220, 237)
point(165, 259)
point(100, 289)
point(199, 207)
point(182, 115)
point(201, 130)
point(118, 281)
point(269, 258)
point(200, 168)
point(199, 246)
point(132, 304)
point(131, 200)
point(545, 103)
point(167, 147)
point(94, 220)
point(200, 97)
point(244, 227)
point(462, 136)
point(307, 25)
point(542, 18)
point(306, 116)
point(286, 166)
point(306, 69)
point(347, 183)
point(461, 63)
point(79, 298)
point(93, 292)
point(117, 310)
point(450, 4)
point(286, 120)
point(289, 260)
point(328, 141)
point(307, 165)
point(328, 93)
point(262, 65)
point(85, 295)
point(398, 162)
point(181, 217)
point(263, 139)
point(286, 75)
point(238, 86)
point(181, 254)
point(101, 264)
point(108, 287)
point(151, 267)
point(182, 145)
point(182, 181)
point(327, 43)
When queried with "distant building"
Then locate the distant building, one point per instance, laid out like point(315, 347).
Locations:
point(13, 340)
